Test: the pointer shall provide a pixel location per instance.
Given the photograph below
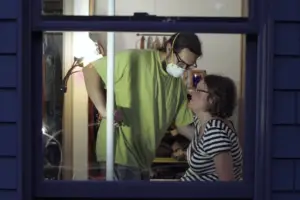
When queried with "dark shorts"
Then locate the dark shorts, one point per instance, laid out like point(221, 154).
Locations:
point(127, 173)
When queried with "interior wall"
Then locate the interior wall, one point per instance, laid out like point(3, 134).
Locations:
point(221, 52)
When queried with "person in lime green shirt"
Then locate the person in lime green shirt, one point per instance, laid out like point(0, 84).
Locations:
point(150, 95)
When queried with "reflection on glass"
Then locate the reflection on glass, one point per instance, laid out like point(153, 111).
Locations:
point(74, 132)
point(53, 105)
point(195, 8)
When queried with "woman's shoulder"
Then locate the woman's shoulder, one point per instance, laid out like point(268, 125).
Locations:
point(215, 123)
point(219, 125)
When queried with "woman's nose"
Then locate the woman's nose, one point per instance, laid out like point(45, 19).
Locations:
point(189, 97)
point(191, 92)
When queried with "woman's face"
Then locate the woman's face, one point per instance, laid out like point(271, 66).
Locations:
point(198, 102)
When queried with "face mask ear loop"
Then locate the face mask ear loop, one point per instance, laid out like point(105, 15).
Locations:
point(173, 43)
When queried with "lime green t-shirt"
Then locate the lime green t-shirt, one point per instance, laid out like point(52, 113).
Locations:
point(149, 99)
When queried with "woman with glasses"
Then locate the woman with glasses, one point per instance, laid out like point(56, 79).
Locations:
point(214, 153)
point(149, 96)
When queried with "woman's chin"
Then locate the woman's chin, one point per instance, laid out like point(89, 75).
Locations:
point(193, 109)
point(190, 106)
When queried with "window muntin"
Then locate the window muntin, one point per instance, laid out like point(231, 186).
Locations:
point(194, 8)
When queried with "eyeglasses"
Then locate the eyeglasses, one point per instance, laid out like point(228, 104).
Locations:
point(200, 90)
point(189, 96)
point(183, 64)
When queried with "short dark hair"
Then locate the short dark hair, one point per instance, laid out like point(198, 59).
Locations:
point(185, 40)
point(222, 95)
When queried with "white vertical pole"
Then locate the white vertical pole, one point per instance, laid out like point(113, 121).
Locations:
point(110, 98)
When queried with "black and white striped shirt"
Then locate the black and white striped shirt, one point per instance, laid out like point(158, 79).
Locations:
point(217, 137)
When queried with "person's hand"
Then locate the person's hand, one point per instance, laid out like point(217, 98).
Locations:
point(118, 117)
point(174, 132)
point(179, 154)
point(102, 113)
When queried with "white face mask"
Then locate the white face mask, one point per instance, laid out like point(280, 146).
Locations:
point(174, 70)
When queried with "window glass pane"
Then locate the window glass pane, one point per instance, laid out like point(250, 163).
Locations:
point(195, 8)
point(147, 144)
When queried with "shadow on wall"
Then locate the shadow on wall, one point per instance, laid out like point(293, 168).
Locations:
point(102, 38)
point(99, 37)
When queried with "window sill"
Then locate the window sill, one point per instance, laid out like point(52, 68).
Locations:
point(93, 189)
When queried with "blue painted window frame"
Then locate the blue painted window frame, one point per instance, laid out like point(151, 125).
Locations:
point(255, 117)
point(248, 24)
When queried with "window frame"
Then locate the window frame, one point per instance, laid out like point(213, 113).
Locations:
point(248, 24)
point(258, 120)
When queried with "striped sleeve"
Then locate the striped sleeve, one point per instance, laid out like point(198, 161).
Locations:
point(215, 141)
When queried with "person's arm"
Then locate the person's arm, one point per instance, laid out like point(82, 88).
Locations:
point(95, 80)
point(184, 120)
point(187, 131)
point(223, 164)
point(95, 88)
point(220, 152)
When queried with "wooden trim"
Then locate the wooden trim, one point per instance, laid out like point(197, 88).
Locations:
point(67, 136)
point(245, 10)
point(241, 100)
point(242, 91)
point(91, 7)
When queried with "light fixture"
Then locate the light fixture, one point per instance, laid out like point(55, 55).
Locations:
point(78, 62)
point(86, 52)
